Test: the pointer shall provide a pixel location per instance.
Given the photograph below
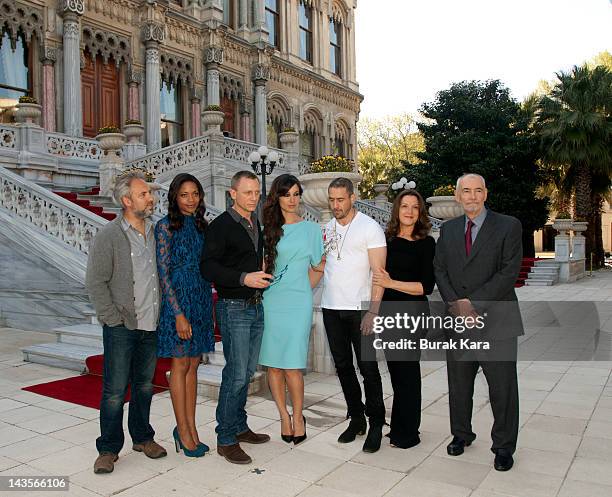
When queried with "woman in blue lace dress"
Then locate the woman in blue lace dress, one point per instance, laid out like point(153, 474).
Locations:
point(185, 329)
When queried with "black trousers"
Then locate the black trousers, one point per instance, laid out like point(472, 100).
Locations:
point(344, 336)
point(503, 394)
point(406, 411)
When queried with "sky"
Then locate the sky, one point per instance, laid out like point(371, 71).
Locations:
point(408, 50)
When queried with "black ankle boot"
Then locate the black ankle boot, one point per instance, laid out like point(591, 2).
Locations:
point(372, 442)
point(357, 426)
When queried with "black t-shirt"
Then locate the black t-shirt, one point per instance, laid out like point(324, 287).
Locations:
point(410, 261)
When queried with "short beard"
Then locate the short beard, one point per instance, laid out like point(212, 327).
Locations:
point(144, 214)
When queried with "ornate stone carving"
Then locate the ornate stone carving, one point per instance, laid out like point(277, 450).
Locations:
point(75, 6)
point(175, 68)
point(152, 55)
point(196, 94)
point(153, 32)
point(261, 72)
point(134, 76)
point(277, 111)
point(213, 55)
point(48, 55)
point(72, 30)
point(106, 44)
point(17, 17)
point(231, 86)
point(245, 106)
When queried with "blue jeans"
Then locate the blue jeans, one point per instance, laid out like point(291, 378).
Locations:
point(241, 327)
point(130, 357)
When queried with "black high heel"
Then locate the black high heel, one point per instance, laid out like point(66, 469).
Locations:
point(286, 438)
point(300, 438)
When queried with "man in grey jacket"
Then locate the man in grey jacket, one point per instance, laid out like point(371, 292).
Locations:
point(478, 258)
point(123, 286)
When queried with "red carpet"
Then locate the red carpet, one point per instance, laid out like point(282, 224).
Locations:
point(84, 390)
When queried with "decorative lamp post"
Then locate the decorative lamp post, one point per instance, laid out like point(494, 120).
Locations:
point(263, 162)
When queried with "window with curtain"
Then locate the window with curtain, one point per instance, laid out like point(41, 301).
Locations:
point(171, 113)
point(273, 22)
point(228, 13)
point(305, 23)
point(14, 73)
point(335, 47)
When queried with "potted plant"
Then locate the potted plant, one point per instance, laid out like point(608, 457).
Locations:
point(149, 176)
point(443, 203)
point(213, 118)
point(27, 110)
point(111, 139)
point(563, 222)
point(133, 130)
point(316, 178)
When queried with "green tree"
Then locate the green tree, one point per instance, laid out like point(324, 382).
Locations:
point(477, 127)
point(383, 145)
point(575, 129)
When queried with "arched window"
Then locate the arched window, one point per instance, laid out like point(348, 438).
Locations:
point(305, 23)
point(171, 112)
point(273, 22)
point(15, 74)
point(335, 47)
point(278, 118)
point(341, 139)
point(310, 137)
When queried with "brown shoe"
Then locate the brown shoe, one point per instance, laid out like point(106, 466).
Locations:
point(234, 454)
point(105, 463)
point(151, 449)
point(250, 437)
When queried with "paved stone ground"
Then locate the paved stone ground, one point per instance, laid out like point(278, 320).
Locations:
point(565, 442)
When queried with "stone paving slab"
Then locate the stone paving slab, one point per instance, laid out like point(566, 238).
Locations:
point(563, 450)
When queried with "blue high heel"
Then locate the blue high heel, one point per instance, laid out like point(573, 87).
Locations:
point(199, 451)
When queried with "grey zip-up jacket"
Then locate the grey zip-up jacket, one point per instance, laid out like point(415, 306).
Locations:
point(110, 278)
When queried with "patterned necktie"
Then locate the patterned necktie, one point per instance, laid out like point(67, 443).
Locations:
point(468, 237)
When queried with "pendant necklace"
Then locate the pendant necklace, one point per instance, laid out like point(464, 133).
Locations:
point(345, 235)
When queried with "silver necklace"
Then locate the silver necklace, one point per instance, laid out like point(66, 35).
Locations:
point(345, 234)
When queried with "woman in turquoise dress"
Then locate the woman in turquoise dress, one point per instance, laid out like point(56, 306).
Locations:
point(185, 329)
point(294, 255)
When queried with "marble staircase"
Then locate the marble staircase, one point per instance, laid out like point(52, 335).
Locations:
point(77, 342)
point(545, 272)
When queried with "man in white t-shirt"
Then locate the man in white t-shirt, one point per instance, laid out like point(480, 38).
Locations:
point(355, 246)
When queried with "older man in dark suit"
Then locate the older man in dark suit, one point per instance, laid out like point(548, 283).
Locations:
point(478, 258)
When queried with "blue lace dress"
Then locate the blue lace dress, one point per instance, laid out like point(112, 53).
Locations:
point(183, 290)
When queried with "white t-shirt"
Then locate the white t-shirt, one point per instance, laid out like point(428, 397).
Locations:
point(347, 281)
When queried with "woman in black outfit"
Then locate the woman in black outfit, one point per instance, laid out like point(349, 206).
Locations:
point(408, 278)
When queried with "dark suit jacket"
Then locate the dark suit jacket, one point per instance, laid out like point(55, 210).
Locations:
point(488, 275)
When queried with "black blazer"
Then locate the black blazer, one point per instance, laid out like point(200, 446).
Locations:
point(488, 275)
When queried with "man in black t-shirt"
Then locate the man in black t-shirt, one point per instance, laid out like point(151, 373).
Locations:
point(232, 259)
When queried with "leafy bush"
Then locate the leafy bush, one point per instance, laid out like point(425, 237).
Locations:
point(110, 128)
point(444, 191)
point(332, 164)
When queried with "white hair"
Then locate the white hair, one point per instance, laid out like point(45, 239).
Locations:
point(470, 175)
point(123, 184)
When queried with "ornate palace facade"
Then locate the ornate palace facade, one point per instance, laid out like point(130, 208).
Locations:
point(269, 64)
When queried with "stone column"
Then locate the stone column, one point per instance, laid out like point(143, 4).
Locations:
point(260, 15)
point(196, 111)
point(261, 74)
point(213, 58)
point(48, 94)
point(153, 36)
point(134, 82)
point(73, 112)
point(245, 120)
point(243, 16)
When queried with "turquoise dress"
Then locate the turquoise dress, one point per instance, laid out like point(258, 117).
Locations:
point(287, 301)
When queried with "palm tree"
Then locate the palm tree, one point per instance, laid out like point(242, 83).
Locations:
point(575, 128)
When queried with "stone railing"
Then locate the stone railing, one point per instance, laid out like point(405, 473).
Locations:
point(70, 146)
point(8, 136)
point(239, 150)
point(174, 156)
point(48, 212)
point(161, 207)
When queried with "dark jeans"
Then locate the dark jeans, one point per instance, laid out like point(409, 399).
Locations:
point(342, 328)
point(130, 357)
point(241, 327)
